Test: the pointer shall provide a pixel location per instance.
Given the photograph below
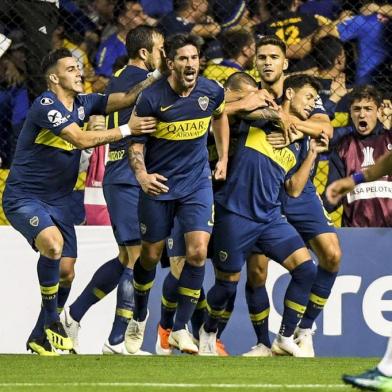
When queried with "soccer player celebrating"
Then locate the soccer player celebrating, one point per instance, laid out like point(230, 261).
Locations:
point(121, 191)
point(379, 378)
point(312, 223)
point(176, 181)
point(37, 200)
point(248, 213)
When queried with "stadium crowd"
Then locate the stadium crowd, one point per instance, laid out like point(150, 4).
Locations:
point(222, 109)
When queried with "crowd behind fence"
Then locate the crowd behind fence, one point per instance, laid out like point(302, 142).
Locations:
point(344, 43)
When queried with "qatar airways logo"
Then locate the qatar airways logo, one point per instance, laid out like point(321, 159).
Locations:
point(367, 156)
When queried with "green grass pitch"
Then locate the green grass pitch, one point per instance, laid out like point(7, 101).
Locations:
point(177, 373)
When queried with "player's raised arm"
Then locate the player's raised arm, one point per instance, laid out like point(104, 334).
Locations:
point(152, 184)
point(118, 101)
point(296, 183)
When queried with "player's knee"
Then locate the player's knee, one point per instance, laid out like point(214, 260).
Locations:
point(67, 277)
point(150, 256)
point(123, 256)
point(330, 259)
point(256, 276)
point(305, 272)
point(197, 255)
point(52, 248)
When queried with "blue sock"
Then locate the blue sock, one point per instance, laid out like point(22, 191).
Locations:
point(199, 315)
point(225, 317)
point(189, 286)
point(217, 299)
point(297, 296)
point(38, 330)
point(319, 295)
point(124, 307)
point(62, 297)
point(143, 280)
point(104, 280)
point(259, 307)
point(169, 301)
point(49, 275)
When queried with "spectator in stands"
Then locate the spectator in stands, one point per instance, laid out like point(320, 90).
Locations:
point(37, 19)
point(369, 33)
point(14, 101)
point(102, 12)
point(294, 28)
point(330, 59)
point(328, 8)
point(368, 205)
point(189, 16)
point(128, 14)
point(157, 9)
point(4, 44)
point(71, 40)
point(239, 49)
point(232, 13)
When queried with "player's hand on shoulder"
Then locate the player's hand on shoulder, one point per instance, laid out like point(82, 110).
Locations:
point(220, 170)
point(142, 125)
point(153, 184)
point(96, 123)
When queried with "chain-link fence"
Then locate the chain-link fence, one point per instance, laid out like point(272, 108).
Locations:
point(343, 43)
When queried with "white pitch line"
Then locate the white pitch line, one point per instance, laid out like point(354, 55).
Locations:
point(170, 385)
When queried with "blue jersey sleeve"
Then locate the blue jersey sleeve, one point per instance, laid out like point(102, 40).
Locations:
point(319, 107)
point(94, 103)
point(53, 117)
point(144, 106)
point(220, 100)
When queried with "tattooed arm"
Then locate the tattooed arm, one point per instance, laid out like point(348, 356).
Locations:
point(152, 184)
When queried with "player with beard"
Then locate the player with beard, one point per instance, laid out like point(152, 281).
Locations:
point(176, 181)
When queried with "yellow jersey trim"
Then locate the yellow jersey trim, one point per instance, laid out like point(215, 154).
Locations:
point(48, 138)
point(257, 140)
point(182, 130)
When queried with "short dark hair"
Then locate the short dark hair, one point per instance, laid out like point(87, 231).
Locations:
point(177, 41)
point(233, 41)
point(298, 81)
point(235, 80)
point(140, 37)
point(366, 91)
point(271, 40)
point(52, 57)
point(326, 51)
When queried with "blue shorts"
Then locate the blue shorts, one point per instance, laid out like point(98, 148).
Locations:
point(235, 237)
point(175, 243)
point(308, 215)
point(122, 202)
point(194, 212)
point(31, 216)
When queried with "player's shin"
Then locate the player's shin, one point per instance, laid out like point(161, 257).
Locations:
point(124, 307)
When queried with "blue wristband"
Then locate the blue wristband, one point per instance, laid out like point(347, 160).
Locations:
point(358, 177)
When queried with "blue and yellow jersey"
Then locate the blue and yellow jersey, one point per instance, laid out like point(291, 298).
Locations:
point(178, 147)
point(45, 165)
point(117, 169)
point(226, 68)
point(257, 175)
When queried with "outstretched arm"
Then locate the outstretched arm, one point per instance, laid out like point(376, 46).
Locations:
point(345, 185)
point(118, 101)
